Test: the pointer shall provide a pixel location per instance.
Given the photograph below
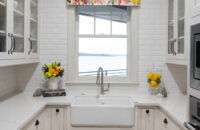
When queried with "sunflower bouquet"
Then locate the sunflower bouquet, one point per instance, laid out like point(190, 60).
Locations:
point(154, 79)
point(53, 70)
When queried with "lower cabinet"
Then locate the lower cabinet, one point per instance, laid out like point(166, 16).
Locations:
point(50, 118)
point(163, 122)
point(147, 118)
point(40, 122)
point(58, 118)
point(155, 119)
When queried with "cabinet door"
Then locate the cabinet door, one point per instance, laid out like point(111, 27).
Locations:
point(18, 28)
point(32, 33)
point(147, 119)
point(166, 123)
point(171, 28)
point(41, 122)
point(180, 50)
point(58, 118)
point(5, 33)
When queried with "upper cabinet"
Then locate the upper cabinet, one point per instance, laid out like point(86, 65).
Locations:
point(176, 45)
point(33, 27)
point(18, 30)
point(4, 38)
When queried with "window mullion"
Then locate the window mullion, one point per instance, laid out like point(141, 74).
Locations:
point(103, 36)
point(111, 20)
point(94, 20)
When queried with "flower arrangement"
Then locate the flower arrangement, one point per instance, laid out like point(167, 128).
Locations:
point(53, 70)
point(154, 79)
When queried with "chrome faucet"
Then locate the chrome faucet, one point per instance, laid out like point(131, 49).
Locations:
point(99, 81)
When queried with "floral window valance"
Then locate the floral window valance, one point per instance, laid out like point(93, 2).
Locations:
point(104, 2)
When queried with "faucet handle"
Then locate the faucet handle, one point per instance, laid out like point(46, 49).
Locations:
point(107, 88)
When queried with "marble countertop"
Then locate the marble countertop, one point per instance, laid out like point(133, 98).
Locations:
point(18, 110)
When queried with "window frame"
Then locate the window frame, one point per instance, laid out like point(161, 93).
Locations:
point(72, 49)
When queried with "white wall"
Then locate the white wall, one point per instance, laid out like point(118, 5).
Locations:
point(53, 41)
point(153, 38)
point(7, 81)
point(53, 38)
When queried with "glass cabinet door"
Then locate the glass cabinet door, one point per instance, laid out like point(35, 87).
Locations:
point(33, 26)
point(181, 26)
point(171, 27)
point(18, 26)
point(3, 10)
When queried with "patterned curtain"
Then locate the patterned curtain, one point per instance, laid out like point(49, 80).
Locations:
point(104, 2)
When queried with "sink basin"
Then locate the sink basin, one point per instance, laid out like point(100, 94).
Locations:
point(103, 111)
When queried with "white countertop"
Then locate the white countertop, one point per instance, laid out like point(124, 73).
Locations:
point(21, 108)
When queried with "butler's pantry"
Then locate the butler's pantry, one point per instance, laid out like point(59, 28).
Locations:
point(99, 64)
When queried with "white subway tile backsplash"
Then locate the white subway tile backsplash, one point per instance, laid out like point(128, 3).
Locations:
point(53, 45)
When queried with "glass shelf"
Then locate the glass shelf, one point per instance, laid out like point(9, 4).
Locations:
point(34, 3)
point(18, 13)
point(34, 45)
point(18, 35)
point(19, 5)
point(33, 20)
point(34, 12)
point(18, 25)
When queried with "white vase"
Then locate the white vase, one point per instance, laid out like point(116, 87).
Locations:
point(53, 83)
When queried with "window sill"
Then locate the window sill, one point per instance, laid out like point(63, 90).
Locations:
point(113, 84)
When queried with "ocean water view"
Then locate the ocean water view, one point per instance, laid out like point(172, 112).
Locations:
point(112, 65)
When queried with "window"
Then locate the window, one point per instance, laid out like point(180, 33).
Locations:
point(102, 40)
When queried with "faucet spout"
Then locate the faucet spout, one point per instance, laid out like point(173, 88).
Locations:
point(100, 81)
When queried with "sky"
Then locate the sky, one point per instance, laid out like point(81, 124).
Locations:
point(102, 45)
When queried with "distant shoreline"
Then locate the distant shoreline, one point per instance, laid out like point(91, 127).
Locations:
point(92, 54)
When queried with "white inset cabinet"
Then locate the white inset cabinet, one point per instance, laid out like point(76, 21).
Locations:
point(50, 118)
point(58, 118)
point(146, 117)
point(33, 29)
point(18, 29)
point(155, 119)
point(40, 122)
point(163, 122)
point(176, 45)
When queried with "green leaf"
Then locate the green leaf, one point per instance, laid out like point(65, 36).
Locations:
point(46, 65)
point(158, 81)
point(45, 76)
point(149, 80)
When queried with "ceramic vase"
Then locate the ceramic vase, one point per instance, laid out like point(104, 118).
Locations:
point(53, 83)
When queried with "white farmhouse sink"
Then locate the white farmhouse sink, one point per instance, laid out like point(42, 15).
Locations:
point(102, 111)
